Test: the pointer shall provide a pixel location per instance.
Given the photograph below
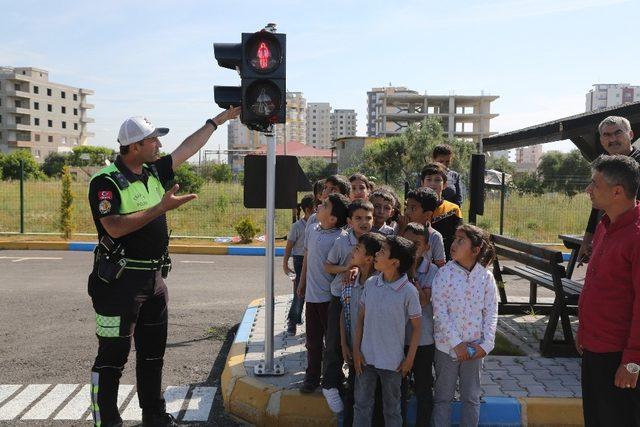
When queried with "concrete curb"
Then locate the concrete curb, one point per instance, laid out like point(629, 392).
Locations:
point(259, 403)
point(174, 248)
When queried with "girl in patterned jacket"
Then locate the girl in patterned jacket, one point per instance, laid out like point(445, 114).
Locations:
point(465, 309)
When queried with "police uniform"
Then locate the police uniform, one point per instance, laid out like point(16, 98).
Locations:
point(135, 303)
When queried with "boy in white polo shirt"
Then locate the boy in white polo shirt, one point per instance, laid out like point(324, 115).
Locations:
point(388, 302)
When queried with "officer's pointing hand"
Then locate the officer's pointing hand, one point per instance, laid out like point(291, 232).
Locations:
point(171, 201)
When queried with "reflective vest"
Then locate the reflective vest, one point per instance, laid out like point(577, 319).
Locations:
point(134, 196)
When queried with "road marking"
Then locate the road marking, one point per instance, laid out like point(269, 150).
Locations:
point(200, 404)
point(7, 390)
point(173, 396)
point(198, 262)
point(50, 402)
point(20, 402)
point(22, 258)
point(123, 393)
point(77, 407)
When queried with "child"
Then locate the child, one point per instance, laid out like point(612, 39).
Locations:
point(422, 273)
point(447, 216)
point(443, 154)
point(318, 186)
point(388, 302)
point(465, 308)
point(362, 257)
point(333, 184)
point(295, 248)
point(419, 207)
point(383, 202)
point(360, 186)
point(360, 220)
point(315, 282)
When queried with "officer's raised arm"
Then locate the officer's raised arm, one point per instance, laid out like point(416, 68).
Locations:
point(196, 140)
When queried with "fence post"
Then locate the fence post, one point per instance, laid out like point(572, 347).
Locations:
point(502, 190)
point(21, 196)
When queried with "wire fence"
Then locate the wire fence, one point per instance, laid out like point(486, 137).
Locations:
point(219, 207)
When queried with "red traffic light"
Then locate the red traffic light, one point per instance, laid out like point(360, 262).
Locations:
point(263, 52)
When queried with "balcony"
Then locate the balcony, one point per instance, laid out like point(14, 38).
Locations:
point(16, 126)
point(17, 110)
point(17, 93)
point(86, 92)
point(86, 105)
point(85, 119)
point(20, 144)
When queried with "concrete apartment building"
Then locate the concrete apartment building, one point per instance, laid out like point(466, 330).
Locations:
point(296, 125)
point(39, 115)
point(390, 110)
point(343, 123)
point(610, 95)
point(319, 125)
point(528, 158)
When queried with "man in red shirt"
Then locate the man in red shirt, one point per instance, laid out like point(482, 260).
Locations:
point(609, 309)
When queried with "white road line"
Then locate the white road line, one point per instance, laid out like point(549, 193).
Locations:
point(174, 397)
point(200, 404)
point(198, 262)
point(7, 390)
point(123, 393)
point(77, 407)
point(18, 404)
point(49, 403)
point(22, 258)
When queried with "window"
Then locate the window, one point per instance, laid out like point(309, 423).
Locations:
point(18, 120)
point(16, 86)
point(64, 110)
point(36, 89)
point(75, 126)
point(64, 125)
point(75, 97)
point(75, 111)
point(50, 123)
point(36, 121)
point(0, 119)
point(63, 95)
point(36, 105)
point(48, 92)
point(37, 137)
point(49, 107)
point(50, 138)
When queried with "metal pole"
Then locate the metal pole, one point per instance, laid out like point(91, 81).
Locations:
point(22, 196)
point(502, 189)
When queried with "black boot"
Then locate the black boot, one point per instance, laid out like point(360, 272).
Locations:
point(158, 420)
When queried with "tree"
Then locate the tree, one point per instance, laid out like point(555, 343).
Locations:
point(66, 205)
point(96, 155)
point(501, 164)
point(315, 168)
point(216, 172)
point(188, 179)
point(548, 169)
point(11, 165)
point(564, 172)
point(53, 164)
point(528, 183)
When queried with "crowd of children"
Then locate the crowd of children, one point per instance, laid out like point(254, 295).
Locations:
point(394, 295)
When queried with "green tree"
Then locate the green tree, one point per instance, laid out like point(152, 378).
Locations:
point(315, 168)
point(575, 173)
point(66, 205)
point(11, 165)
point(501, 164)
point(528, 183)
point(216, 172)
point(188, 179)
point(53, 164)
point(548, 169)
point(87, 155)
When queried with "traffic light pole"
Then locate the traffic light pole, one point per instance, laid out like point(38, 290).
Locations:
point(268, 367)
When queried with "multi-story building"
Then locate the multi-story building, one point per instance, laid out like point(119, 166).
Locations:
point(390, 110)
point(240, 141)
point(319, 125)
point(343, 123)
point(39, 115)
point(610, 95)
point(295, 129)
point(528, 158)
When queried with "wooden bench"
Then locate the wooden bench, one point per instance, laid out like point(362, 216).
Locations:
point(540, 267)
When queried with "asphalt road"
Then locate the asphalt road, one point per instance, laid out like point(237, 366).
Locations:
point(47, 324)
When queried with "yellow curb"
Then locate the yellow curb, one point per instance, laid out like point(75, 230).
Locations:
point(34, 245)
point(234, 369)
point(557, 412)
point(249, 399)
point(256, 303)
point(197, 249)
point(292, 408)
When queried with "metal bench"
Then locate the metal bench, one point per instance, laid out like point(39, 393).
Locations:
point(540, 267)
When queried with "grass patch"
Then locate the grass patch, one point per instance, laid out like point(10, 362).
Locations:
point(218, 333)
point(504, 347)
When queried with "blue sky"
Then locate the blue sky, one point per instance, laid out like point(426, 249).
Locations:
point(155, 58)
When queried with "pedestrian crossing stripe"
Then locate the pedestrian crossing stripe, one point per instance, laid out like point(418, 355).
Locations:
point(72, 401)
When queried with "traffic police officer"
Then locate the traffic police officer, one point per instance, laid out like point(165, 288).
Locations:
point(129, 202)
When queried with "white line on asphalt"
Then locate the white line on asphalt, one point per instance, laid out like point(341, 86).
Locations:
point(18, 404)
point(200, 404)
point(7, 390)
point(77, 407)
point(49, 403)
point(174, 397)
point(198, 262)
point(30, 258)
point(123, 393)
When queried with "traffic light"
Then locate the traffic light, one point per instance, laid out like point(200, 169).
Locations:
point(261, 62)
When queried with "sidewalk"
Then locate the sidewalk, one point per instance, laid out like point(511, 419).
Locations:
point(526, 390)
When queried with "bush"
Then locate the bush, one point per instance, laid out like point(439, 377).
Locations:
point(53, 164)
point(87, 155)
point(11, 165)
point(528, 183)
point(188, 179)
point(217, 172)
point(247, 230)
point(66, 205)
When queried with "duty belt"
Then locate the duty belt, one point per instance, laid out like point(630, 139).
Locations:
point(140, 264)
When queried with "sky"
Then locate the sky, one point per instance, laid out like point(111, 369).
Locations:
point(155, 58)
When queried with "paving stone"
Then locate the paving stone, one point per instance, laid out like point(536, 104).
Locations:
point(507, 385)
point(499, 374)
point(560, 393)
point(568, 379)
point(557, 369)
point(516, 370)
point(517, 393)
point(536, 390)
point(525, 379)
point(492, 391)
point(541, 374)
point(507, 361)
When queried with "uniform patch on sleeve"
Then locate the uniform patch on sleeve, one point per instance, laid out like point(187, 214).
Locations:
point(105, 195)
point(104, 207)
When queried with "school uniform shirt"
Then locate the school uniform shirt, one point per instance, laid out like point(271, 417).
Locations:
point(465, 307)
point(436, 246)
point(609, 306)
point(425, 273)
point(340, 254)
point(296, 236)
point(388, 307)
point(350, 299)
point(318, 243)
point(385, 230)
